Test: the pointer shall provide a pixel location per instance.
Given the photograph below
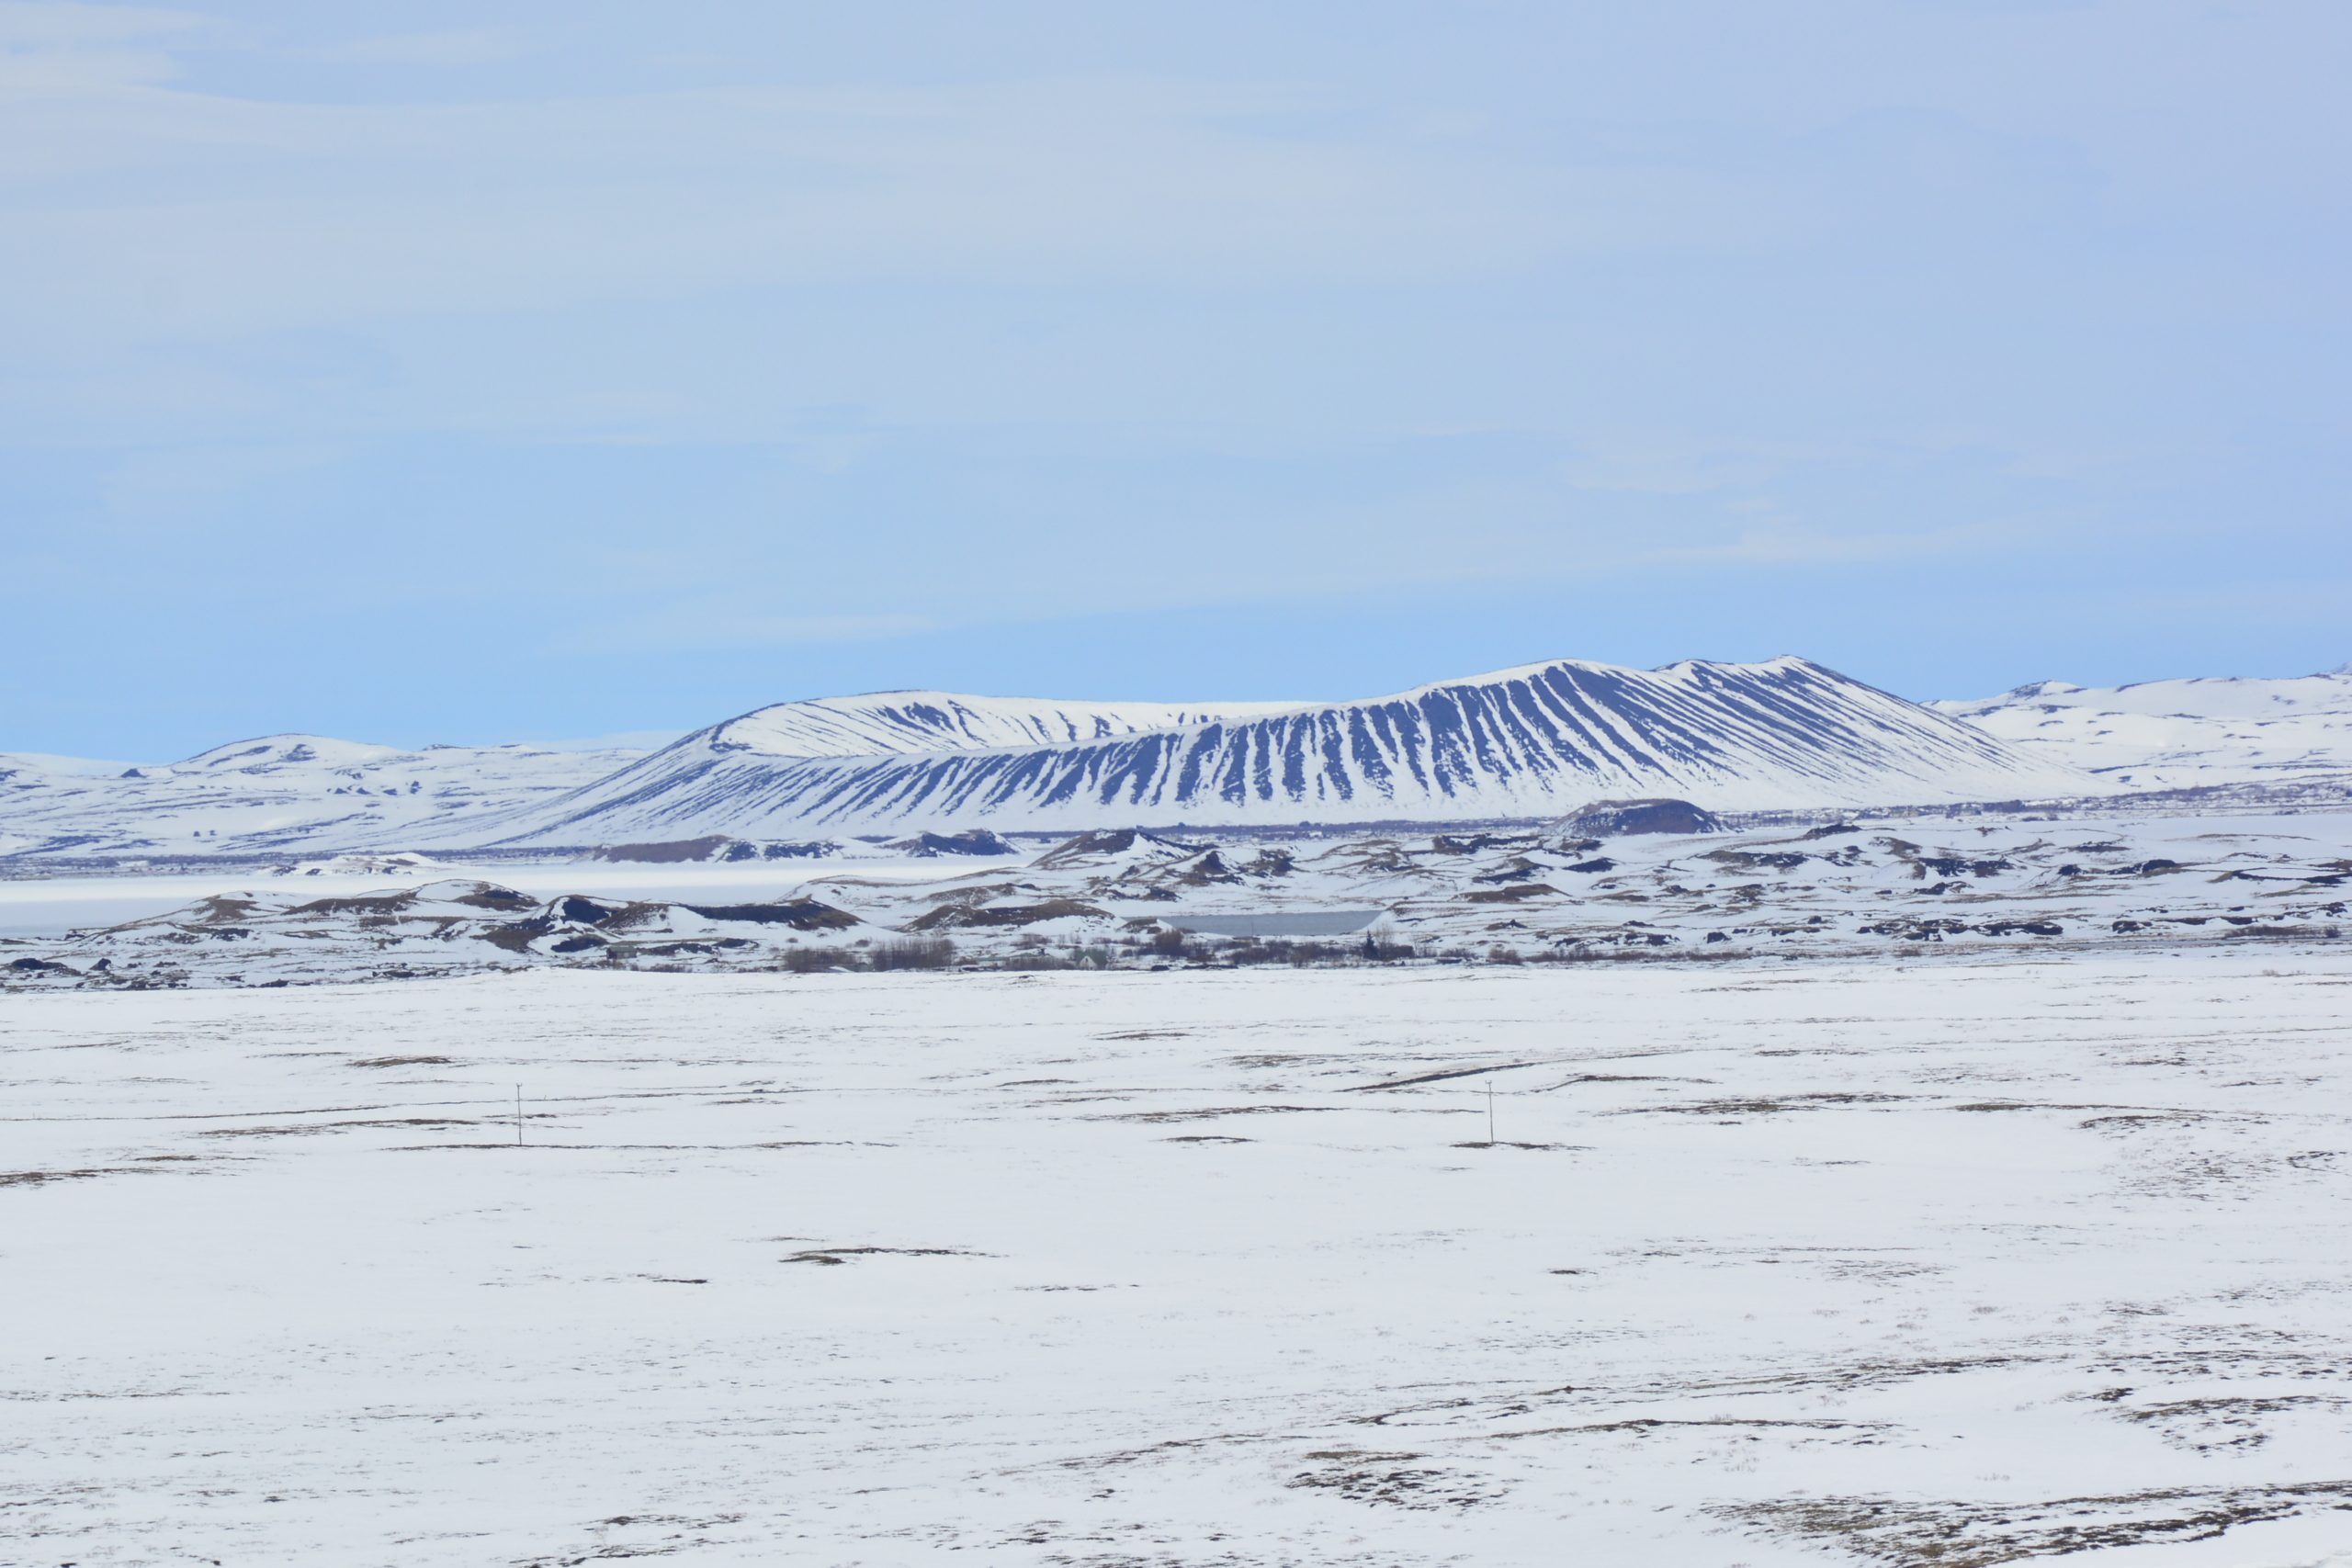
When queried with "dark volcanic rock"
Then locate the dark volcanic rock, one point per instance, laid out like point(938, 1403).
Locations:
point(1618, 818)
point(677, 850)
point(800, 914)
point(971, 841)
point(952, 916)
point(714, 847)
point(490, 895)
point(2022, 927)
point(1472, 844)
point(1112, 842)
point(1203, 870)
point(1752, 860)
point(1512, 895)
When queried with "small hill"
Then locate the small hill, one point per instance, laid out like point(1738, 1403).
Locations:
point(2186, 733)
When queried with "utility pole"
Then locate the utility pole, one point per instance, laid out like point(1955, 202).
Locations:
point(1490, 1113)
point(518, 1117)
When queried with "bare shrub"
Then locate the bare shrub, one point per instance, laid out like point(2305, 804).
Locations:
point(911, 952)
point(1032, 962)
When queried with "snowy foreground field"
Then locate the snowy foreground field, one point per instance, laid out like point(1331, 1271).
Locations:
point(1958, 1263)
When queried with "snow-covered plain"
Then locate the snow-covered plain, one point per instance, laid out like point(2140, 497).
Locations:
point(1958, 1264)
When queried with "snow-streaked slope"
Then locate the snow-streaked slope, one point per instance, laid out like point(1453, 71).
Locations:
point(2181, 734)
point(318, 795)
point(277, 793)
point(891, 723)
point(1524, 742)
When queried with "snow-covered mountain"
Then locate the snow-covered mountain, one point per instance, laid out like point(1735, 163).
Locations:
point(279, 792)
point(1528, 742)
point(1525, 742)
point(2181, 734)
point(316, 794)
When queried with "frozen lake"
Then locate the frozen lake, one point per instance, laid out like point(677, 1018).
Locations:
point(1962, 1264)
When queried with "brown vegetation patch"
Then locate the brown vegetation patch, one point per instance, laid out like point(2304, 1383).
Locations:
point(1905, 1534)
point(1512, 894)
point(800, 914)
point(950, 917)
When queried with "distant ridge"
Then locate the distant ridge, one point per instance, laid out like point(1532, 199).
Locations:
point(2195, 732)
point(279, 794)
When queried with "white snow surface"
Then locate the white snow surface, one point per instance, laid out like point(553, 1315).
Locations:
point(1982, 1263)
point(2162, 735)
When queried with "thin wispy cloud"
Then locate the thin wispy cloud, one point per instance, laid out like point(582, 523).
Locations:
point(224, 216)
point(53, 56)
point(444, 47)
point(65, 25)
point(704, 627)
point(835, 348)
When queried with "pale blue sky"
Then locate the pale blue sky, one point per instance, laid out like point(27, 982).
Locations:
point(512, 369)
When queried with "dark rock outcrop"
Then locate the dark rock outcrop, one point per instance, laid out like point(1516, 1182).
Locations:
point(1620, 818)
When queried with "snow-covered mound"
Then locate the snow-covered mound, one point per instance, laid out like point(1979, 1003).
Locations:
point(280, 793)
point(2181, 734)
point(1611, 818)
point(1532, 741)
